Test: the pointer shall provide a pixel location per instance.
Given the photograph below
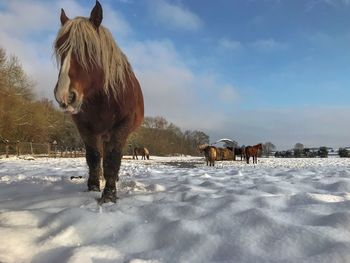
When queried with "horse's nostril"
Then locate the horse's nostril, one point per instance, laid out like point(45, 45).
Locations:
point(72, 97)
point(64, 105)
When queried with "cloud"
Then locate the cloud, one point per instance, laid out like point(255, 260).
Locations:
point(25, 18)
point(126, 1)
point(229, 44)
point(174, 16)
point(261, 45)
point(267, 45)
point(310, 5)
point(228, 94)
point(172, 89)
point(335, 2)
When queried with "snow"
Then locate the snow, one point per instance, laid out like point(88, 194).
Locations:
point(177, 210)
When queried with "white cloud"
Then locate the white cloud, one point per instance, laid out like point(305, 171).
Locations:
point(335, 2)
point(230, 44)
point(26, 18)
point(310, 5)
point(261, 45)
point(170, 87)
point(174, 16)
point(126, 1)
point(267, 45)
point(228, 94)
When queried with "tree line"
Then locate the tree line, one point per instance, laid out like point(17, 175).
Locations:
point(25, 118)
point(163, 138)
point(300, 151)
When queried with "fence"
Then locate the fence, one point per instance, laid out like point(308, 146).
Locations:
point(39, 150)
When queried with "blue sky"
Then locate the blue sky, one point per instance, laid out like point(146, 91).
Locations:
point(251, 70)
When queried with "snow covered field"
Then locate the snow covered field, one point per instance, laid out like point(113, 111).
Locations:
point(177, 210)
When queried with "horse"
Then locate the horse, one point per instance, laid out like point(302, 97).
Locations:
point(141, 151)
point(210, 154)
point(98, 88)
point(227, 153)
point(253, 151)
point(239, 151)
point(219, 153)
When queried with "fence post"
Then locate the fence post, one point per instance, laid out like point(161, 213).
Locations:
point(17, 149)
point(48, 149)
point(55, 144)
point(31, 148)
point(7, 147)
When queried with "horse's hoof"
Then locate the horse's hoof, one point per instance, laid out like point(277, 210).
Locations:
point(108, 196)
point(93, 188)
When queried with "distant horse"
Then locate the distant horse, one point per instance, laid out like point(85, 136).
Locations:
point(219, 153)
point(253, 151)
point(210, 154)
point(141, 151)
point(240, 151)
point(97, 86)
point(227, 153)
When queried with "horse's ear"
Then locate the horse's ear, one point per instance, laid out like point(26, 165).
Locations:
point(63, 17)
point(96, 15)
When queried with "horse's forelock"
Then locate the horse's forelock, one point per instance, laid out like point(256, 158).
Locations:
point(94, 47)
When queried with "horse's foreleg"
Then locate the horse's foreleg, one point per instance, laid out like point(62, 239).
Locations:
point(93, 159)
point(111, 165)
point(112, 156)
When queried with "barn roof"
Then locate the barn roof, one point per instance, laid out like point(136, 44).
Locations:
point(228, 141)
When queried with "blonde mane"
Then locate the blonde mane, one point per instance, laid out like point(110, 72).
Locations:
point(94, 47)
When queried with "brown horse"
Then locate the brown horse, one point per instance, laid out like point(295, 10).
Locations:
point(97, 86)
point(253, 151)
point(141, 151)
point(224, 154)
point(219, 153)
point(210, 154)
